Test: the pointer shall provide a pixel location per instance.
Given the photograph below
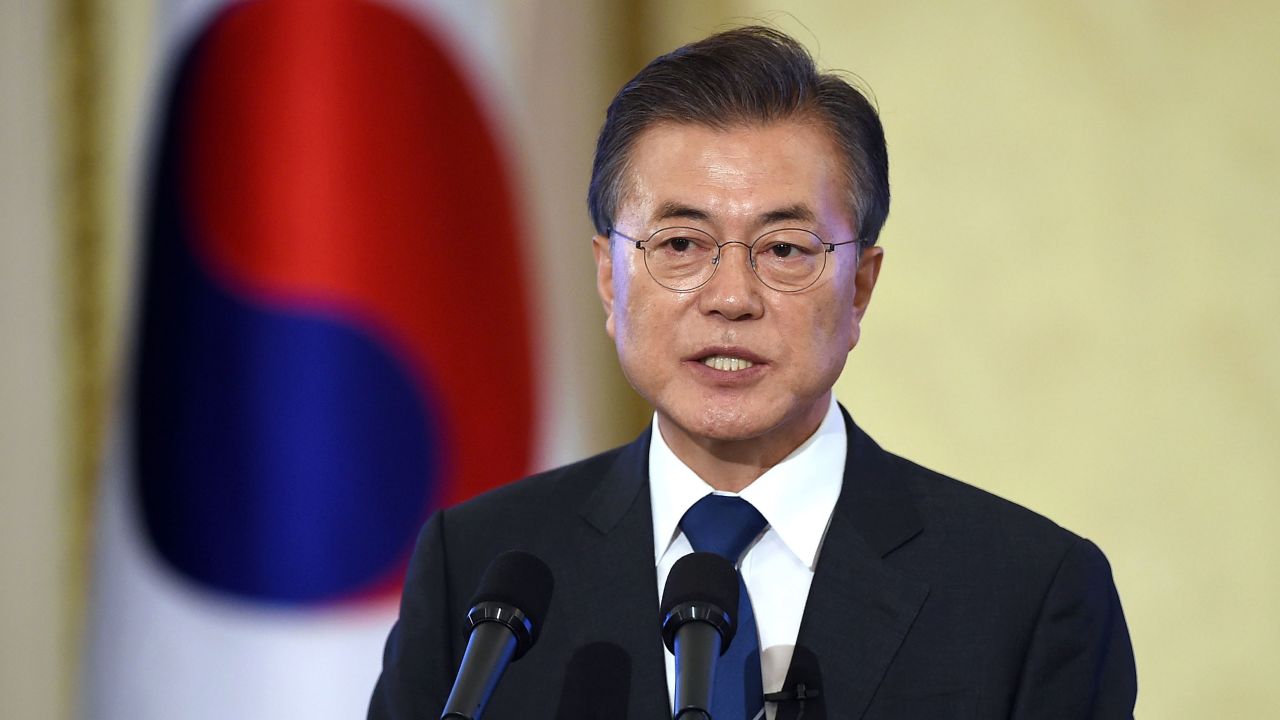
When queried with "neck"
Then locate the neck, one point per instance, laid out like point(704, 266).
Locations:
point(730, 465)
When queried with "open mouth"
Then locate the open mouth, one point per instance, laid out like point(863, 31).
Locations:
point(727, 363)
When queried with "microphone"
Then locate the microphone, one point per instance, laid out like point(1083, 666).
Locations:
point(699, 619)
point(505, 617)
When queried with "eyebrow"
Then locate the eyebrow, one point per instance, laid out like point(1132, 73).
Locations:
point(677, 211)
point(791, 213)
point(798, 212)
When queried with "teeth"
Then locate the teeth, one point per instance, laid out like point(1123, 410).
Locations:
point(729, 364)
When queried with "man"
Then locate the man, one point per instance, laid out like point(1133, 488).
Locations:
point(738, 195)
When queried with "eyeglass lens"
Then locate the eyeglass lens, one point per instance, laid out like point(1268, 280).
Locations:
point(787, 260)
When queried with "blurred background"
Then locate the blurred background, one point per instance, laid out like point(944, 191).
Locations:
point(1077, 312)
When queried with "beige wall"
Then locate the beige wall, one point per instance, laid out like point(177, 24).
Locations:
point(1078, 304)
point(71, 73)
point(36, 652)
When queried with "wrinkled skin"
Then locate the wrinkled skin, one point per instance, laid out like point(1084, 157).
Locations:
point(735, 184)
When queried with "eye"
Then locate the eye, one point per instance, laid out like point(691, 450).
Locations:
point(679, 244)
point(788, 246)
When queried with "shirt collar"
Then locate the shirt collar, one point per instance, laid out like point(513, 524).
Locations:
point(799, 518)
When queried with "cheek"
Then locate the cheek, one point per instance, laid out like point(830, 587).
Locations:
point(652, 325)
point(844, 320)
point(633, 317)
point(620, 318)
point(833, 335)
point(641, 322)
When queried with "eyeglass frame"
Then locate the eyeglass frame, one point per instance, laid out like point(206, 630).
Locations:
point(751, 256)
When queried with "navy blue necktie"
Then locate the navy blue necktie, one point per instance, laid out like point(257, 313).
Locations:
point(726, 525)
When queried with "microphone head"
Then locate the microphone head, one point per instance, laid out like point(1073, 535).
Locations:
point(701, 586)
point(516, 581)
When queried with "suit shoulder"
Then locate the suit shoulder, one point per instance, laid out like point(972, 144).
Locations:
point(540, 493)
point(967, 511)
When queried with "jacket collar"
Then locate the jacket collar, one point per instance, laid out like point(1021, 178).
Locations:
point(859, 609)
point(621, 486)
point(877, 507)
point(873, 498)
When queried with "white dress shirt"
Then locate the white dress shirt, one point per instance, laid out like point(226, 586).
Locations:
point(796, 497)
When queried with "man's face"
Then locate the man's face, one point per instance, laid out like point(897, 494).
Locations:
point(735, 184)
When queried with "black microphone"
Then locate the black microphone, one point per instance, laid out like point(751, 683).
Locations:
point(699, 619)
point(506, 615)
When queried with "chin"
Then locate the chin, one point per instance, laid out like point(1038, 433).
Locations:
point(727, 422)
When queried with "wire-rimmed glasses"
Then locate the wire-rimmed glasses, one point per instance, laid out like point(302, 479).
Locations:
point(683, 259)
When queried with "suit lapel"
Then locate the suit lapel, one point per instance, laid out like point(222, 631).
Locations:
point(858, 611)
point(619, 570)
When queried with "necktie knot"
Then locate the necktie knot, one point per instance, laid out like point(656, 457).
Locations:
point(722, 524)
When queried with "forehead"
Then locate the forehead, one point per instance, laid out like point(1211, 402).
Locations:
point(736, 177)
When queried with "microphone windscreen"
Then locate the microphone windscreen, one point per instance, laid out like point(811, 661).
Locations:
point(518, 579)
point(705, 578)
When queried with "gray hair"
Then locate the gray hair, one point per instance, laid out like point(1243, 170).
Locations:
point(744, 76)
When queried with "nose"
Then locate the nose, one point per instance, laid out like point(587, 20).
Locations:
point(733, 291)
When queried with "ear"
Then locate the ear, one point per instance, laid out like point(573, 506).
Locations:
point(602, 249)
point(865, 282)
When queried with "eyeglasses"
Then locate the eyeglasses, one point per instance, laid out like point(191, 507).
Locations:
point(683, 259)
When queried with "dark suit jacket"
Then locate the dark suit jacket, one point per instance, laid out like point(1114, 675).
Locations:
point(931, 599)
